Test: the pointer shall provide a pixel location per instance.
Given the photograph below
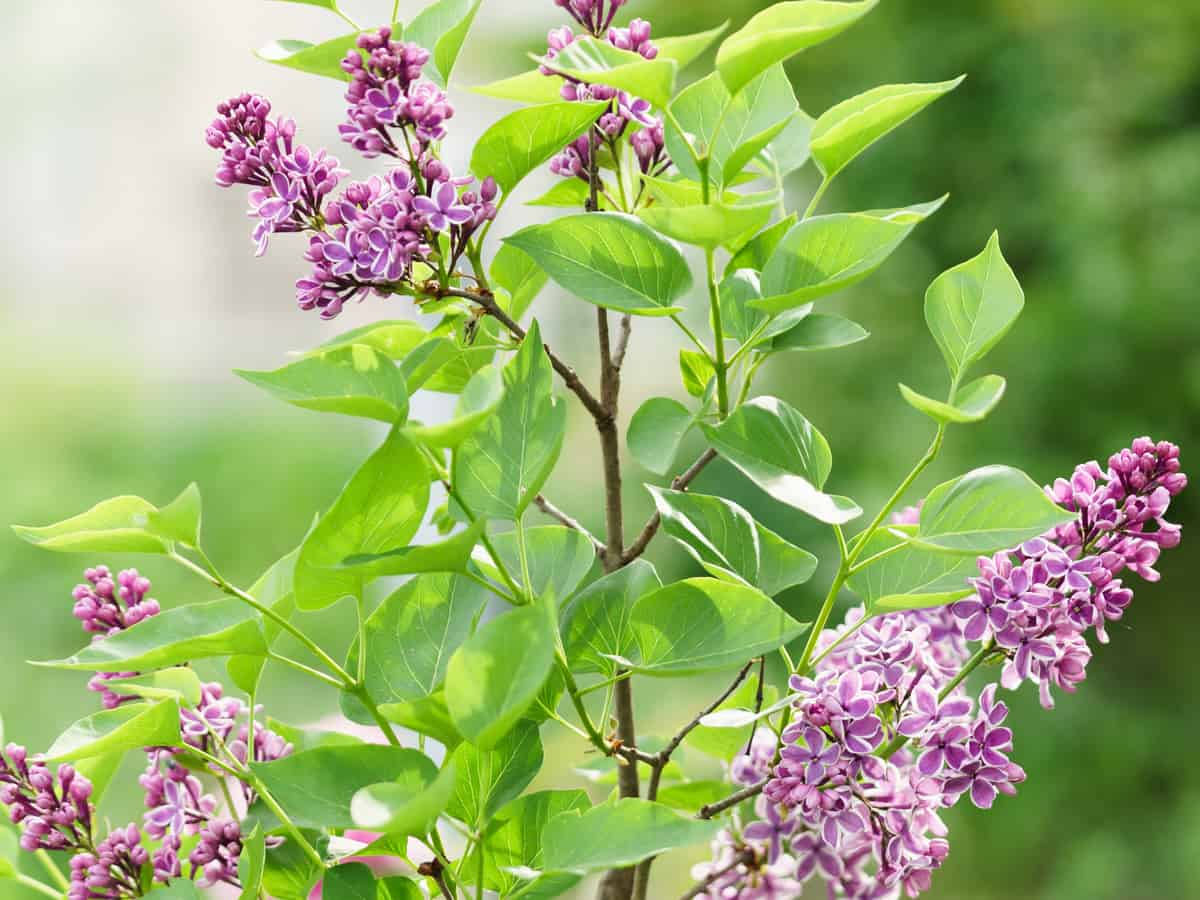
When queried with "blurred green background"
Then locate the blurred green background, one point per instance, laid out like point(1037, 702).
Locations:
point(130, 292)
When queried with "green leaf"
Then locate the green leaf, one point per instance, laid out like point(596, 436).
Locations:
point(846, 130)
point(178, 889)
point(755, 254)
point(725, 743)
point(559, 559)
point(689, 796)
point(9, 851)
point(820, 331)
point(480, 398)
point(986, 510)
point(516, 272)
point(528, 87)
point(741, 321)
point(398, 888)
point(119, 525)
point(128, 727)
point(610, 259)
point(174, 636)
point(316, 786)
point(354, 381)
point(251, 862)
point(488, 779)
point(599, 62)
point(618, 834)
point(525, 139)
point(405, 807)
point(566, 193)
point(780, 451)
point(970, 307)
point(290, 874)
point(273, 590)
point(424, 361)
point(494, 677)
point(656, 431)
point(316, 59)
point(712, 225)
point(349, 881)
point(781, 31)
point(380, 508)
point(972, 403)
point(178, 683)
point(100, 771)
point(685, 49)
point(394, 338)
point(179, 520)
point(788, 150)
point(703, 624)
point(825, 254)
point(911, 577)
point(451, 555)
point(696, 371)
point(412, 634)
point(330, 5)
point(514, 842)
point(428, 716)
point(596, 623)
point(442, 28)
point(500, 468)
point(727, 542)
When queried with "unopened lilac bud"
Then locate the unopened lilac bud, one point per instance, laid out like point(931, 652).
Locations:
point(489, 190)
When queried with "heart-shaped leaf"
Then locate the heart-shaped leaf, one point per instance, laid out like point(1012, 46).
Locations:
point(910, 577)
point(596, 623)
point(488, 779)
point(656, 431)
point(442, 28)
point(559, 559)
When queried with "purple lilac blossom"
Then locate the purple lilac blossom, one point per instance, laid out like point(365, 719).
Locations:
point(216, 856)
point(52, 809)
point(593, 15)
point(880, 742)
point(104, 607)
point(112, 870)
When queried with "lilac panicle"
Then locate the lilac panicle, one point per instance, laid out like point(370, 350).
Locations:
point(882, 739)
point(105, 607)
point(112, 870)
point(216, 856)
point(52, 809)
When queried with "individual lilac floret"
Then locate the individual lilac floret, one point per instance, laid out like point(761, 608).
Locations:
point(217, 853)
point(113, 870)
point(52, 809)
point(594, 15)
point(289, 182)
point(387, 92)
point(175, 799)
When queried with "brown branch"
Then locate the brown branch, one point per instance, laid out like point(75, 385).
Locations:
point(563, 518)
point(744, 857)
point(622, 345)
point(680, 483)
point(715, 809)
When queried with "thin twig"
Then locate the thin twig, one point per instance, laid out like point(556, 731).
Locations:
point(745, 857)
point(554, 512)
point(680, 483)
point(709, 810)
point(622, 345)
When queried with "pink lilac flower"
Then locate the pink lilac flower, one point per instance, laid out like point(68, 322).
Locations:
point(218, 852)
point(52, 809)
point(112, 870)
point(593, 15)
point(104, 607)
point(175, 798)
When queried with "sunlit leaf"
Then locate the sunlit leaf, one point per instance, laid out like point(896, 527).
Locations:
point(525, 139)
point(596, 623)
point(131, 726)
point(618, 834)
point(441, 27)
point(594, 61)
point(972, 402)
point(656, 431)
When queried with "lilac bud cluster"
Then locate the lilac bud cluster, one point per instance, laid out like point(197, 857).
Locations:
point(626, 111)
point(216, 855)
point(106, 607)
point(288, 181)
point(883, 734)
point(112, 870)
point(52, 809)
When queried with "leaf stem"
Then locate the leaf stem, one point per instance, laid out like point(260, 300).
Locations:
point(364, 697)
point(349, 21)
point(55, 873)
point(816, 199)
point(38, 886)
point(835, 588)
point(714, 300)
point(693, 337)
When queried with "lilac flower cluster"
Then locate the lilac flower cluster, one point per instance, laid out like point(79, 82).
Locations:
point(106, 607)
point(53, 810)
point(626, 111)
point(883, 735)
point(112, 870)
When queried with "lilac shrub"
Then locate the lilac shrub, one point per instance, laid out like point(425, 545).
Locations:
point(500, 630)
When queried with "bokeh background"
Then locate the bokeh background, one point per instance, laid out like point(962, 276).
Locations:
point(130, 291)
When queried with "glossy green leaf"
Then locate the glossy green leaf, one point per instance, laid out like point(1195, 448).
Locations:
point(471, 354)
point(316, 786)
point(788, 150)
point(847, 129)
point(618, 834)
point(820, 331)
point(528, 87)
point(825, 254)
point(696, 370)
point(516, 272)
point(405, 807)
point(179, 520)
point(972, 403)
point(442, 27)
point(397, 888)
point(290, 873)
point(316, 59)
point(100, 771)
point(179, 683)
point(500, 468)
point(349, 881)
point(252, 861)
point(911, 577)
point(690, 796)
point(703, 624)
point(451, 555)
point(525, 139)
point(567, 193)
point(424, 361)
point(9, 851)
point(354, 381)
point(488, 779)
point(119, 525)
point(686, 48)
point(986, 510)
point(780, 451)
point(411, 635)
point(781, 31)
point(729, 544)
point(274, 589)
point(131, 726)
point(709, 226)
point(478, 401)
point(757, 251)
point(599, 62)
point(559, 559)
point(743, 322)
point(428, 716)
point(656, 431)
point(970, 307)
point(394, 338)
point(610, 259)
point(177, 635)
point(725, 743)
point(596, 623)
point(380, 508)
point(494, 677)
